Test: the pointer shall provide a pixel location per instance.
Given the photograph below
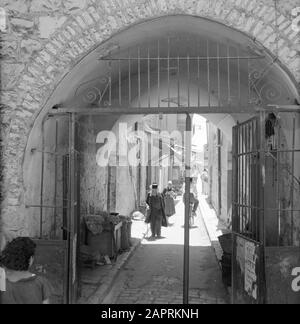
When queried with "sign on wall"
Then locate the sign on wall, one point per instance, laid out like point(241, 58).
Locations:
point(247, 258)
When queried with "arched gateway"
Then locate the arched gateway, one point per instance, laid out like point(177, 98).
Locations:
point(222, 59)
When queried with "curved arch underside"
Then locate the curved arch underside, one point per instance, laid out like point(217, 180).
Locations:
point(178, 36)
point(173, 36)
point(237, 83)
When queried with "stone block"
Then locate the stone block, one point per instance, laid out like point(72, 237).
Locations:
point(252, 4)
point(258, 28)
point(87, 18)
point(249, 24)
point(66, 34)
point(48, 25)
point(203, 6)
point(9, 49)
point(81, 22)
point(74, 5)
point(294, 36)
point(18, 23)
point(72, 30)
point(233, 16)
point(10, 98)
point(29, 47)
point(45, 56)
point(10, 74)
point(266, 32)
point(45, 5)
point(270, 17)
point(284, 25)
point(271, 39)
point(286, 6)
point(19, 6)
point(84, 44)
point(93, 12)
point(57, 44)
point(51, 49)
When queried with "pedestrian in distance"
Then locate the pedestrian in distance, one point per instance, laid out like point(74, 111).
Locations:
point(156, 212)
point(204, 179)
point(194, 202)
point(169, 199)
point(22, 286)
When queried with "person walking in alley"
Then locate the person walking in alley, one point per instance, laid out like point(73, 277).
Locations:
point(169, 196)
point(193, 197)
point(22, 286)
point(204, 179)
point(156, 215)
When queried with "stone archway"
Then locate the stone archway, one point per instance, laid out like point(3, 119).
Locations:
point(73, 33)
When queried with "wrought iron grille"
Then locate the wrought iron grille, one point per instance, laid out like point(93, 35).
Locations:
point(163, 74)
point(266, 182)
point(247, 211)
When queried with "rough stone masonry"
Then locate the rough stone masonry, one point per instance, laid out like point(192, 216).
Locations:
point(44, 39)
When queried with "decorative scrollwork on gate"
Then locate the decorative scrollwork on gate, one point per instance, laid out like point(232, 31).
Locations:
point(95, 93)
point(271, 92)
point(264, 90)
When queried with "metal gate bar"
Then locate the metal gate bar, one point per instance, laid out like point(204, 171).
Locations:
point(245, 204)
point(251, 109)
point(251, 151)
point(156, 61)
point(186, 268)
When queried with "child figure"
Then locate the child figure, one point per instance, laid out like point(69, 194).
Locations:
point(22, 286)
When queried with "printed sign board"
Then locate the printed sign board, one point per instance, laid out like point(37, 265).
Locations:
point(246, 267)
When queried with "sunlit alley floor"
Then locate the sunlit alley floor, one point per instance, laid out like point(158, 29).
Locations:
point(154, 273)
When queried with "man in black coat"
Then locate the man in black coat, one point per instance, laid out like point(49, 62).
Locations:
point(157, 217)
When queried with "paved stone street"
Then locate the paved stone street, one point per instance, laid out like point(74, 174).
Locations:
point(154, 273)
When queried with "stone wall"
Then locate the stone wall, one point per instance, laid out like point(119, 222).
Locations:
point(226, 173)
point(93, 178)
point(213, 166)
point(45, 39)
point(226, 180)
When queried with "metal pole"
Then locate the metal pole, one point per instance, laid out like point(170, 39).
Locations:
point(293, 176)
point(108, 188)
point(55, 177)
point(72, 202)
point(262, 156)
point(219, 173)
point(247, 109)
point(187, 210)
point(42, 179)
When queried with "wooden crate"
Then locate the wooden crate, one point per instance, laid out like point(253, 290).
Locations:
point(108, 242)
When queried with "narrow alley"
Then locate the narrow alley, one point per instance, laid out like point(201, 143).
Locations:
point(154, 274)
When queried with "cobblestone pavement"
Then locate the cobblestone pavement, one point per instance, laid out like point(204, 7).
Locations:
point(154, 273)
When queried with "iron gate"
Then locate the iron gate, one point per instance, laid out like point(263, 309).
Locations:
point(58, 238)
point(210, 75)
point(265, 211)
point(247, 216)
